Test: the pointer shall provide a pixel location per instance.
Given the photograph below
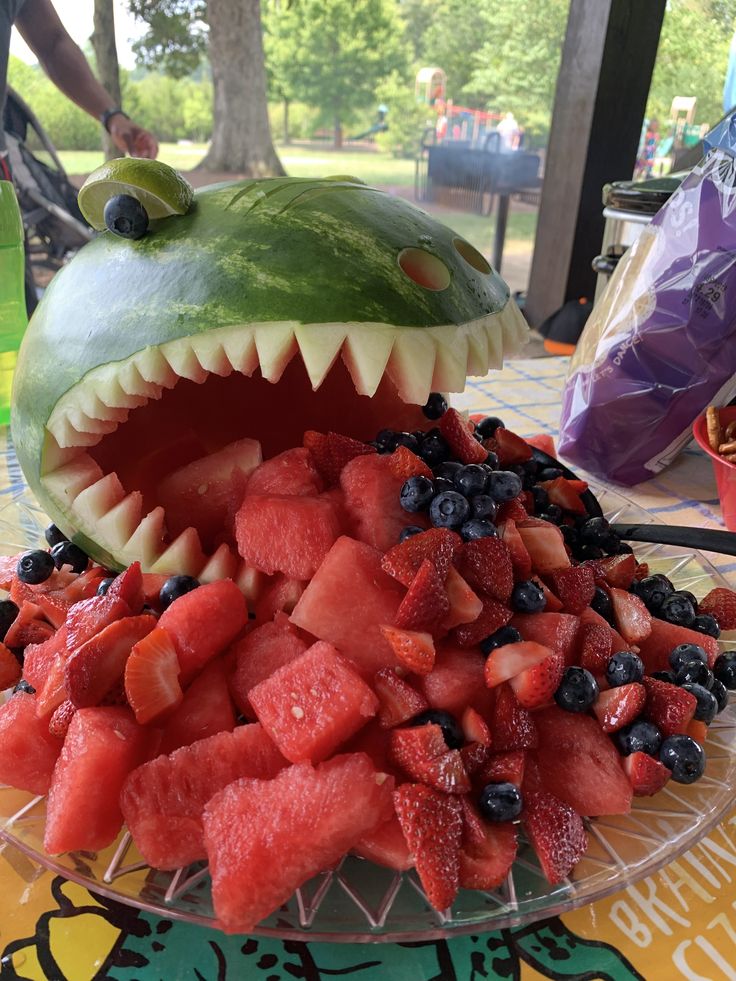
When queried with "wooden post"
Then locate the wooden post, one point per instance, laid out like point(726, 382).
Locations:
point(602, 88)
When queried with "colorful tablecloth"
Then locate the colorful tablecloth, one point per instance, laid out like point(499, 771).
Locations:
point(680, 923)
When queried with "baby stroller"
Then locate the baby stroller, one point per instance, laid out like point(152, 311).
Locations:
point(54, 226)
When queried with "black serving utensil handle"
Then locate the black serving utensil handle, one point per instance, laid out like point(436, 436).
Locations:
point(685, 536)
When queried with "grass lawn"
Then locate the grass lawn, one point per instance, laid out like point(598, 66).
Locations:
point(373, 167)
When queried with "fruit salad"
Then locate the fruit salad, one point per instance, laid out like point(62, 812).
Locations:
point(427, 635)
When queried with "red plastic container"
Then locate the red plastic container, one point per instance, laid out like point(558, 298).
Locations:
point(725, 472)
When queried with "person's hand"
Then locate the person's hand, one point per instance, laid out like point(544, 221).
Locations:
point(132, 139)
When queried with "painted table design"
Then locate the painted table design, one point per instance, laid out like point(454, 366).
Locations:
point(680, 923)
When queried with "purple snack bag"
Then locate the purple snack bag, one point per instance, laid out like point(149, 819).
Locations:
point(660, 344)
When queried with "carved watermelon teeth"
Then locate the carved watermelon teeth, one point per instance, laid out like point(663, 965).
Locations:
point(415, 361)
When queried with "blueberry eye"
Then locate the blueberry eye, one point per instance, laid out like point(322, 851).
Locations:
point(125, 216)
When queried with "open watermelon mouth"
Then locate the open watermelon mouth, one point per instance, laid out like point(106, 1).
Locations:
point(231, 395)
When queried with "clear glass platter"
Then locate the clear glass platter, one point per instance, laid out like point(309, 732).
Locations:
point(361, 902)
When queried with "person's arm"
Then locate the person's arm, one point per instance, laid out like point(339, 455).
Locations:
point(66, 66)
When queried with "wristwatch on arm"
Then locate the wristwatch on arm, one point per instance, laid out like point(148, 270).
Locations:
point(107, 115)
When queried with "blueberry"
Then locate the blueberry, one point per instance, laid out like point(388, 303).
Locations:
point(541, 498)
point(587, 551)
point(570, 536)
point(707, 707)
point(448, 469)
point(552, 513)
point(24, 686)
point(483, 506)
point(653, 590)
point(683, 653)
point(725, 669)
point(694, 673)
point(442, 485)
point(686, 594)
point(471, 480)
point(408, 440)
point(434, 449)
point(500, 802)
point(449, 510)
point(491, 460)
point(477, 528)
point(504, 485)
point(667, 676)
point(602, 604)
point(34, 567)
point(595, 531)
point(174, 587)
point(436, 405)
point(448, 724)
point(577, 691)
point(54, 535)
point(684, 756)
point(623, 548)
point(704, 623)
point(487, 427)
point(639, 737)
point(67, 553)
point(8, 613)
point(624, 668)
point(720, 693)
point(386, 441)
point(502, 636)
point(549, 473)
point(105, 585)
point(125, 216)
point(527, 597)
point(416, 493)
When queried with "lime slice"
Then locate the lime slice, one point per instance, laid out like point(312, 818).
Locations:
point(160, 189)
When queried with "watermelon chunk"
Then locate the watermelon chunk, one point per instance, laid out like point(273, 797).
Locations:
point(266, 838)
point(207, 709)
point(280, 594)
point(349, 596)
point(163, 800)
point(372, 501)
point(292, 472)
point(28, 752)
point(579, 764)
point(313, 704)
point(457, 681)
point(260, 653)
point(557, 631)
point(203, 622)
point(655, 649)
point(286, 534)
point(102, 746)
point(386, 845)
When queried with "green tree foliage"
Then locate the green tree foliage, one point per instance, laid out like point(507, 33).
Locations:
point(68, 127)
point(333, 53)
point(407, 119)
point(176, 38)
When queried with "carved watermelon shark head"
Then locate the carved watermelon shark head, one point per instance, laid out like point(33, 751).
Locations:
point(271, 307)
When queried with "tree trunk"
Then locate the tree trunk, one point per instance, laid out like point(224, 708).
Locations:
point(338, 133)
point(287, 138)
point(241, 136)
point(106, 55)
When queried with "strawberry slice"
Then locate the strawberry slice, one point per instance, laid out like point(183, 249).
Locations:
point(425, 603)
point(8, 570)
point(545, 545)
point(551, 603)
point(29, 627)
point(535, 686)
point(398, 701)
point(404, 464)
point(152, 677)
point(10, 670)
point(128, 586)
point(670, 708)
point(503, 768)
point(89, 616)
point(404, 560)
point(596, 647)
point(422, 754)
point(614, 570)
point(415, 650)
point(566, 493)
point(520, 559)
point(511, 659)
point(514, 510)
point(698, 731)
point(647, 775)
point(474, 727)
point(95, 667)
point(474, 756)
point(486, 565)
point(492, 617)
point(485, 865)
point(574, 586)
point(459, 436)
point(432, 824)
point(53, 607)
point(331, 451)
point(60, 719)
point(543, 442)
point(474, 826)
point(555, 831)
point(511, 448)
point(721, 604)
point(633, 619)
point(53, 692)
point(465, 605)
point(617, 707)
point(513, 727)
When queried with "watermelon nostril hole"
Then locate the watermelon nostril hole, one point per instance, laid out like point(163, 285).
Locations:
point(472, 256)
point(424, 269)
